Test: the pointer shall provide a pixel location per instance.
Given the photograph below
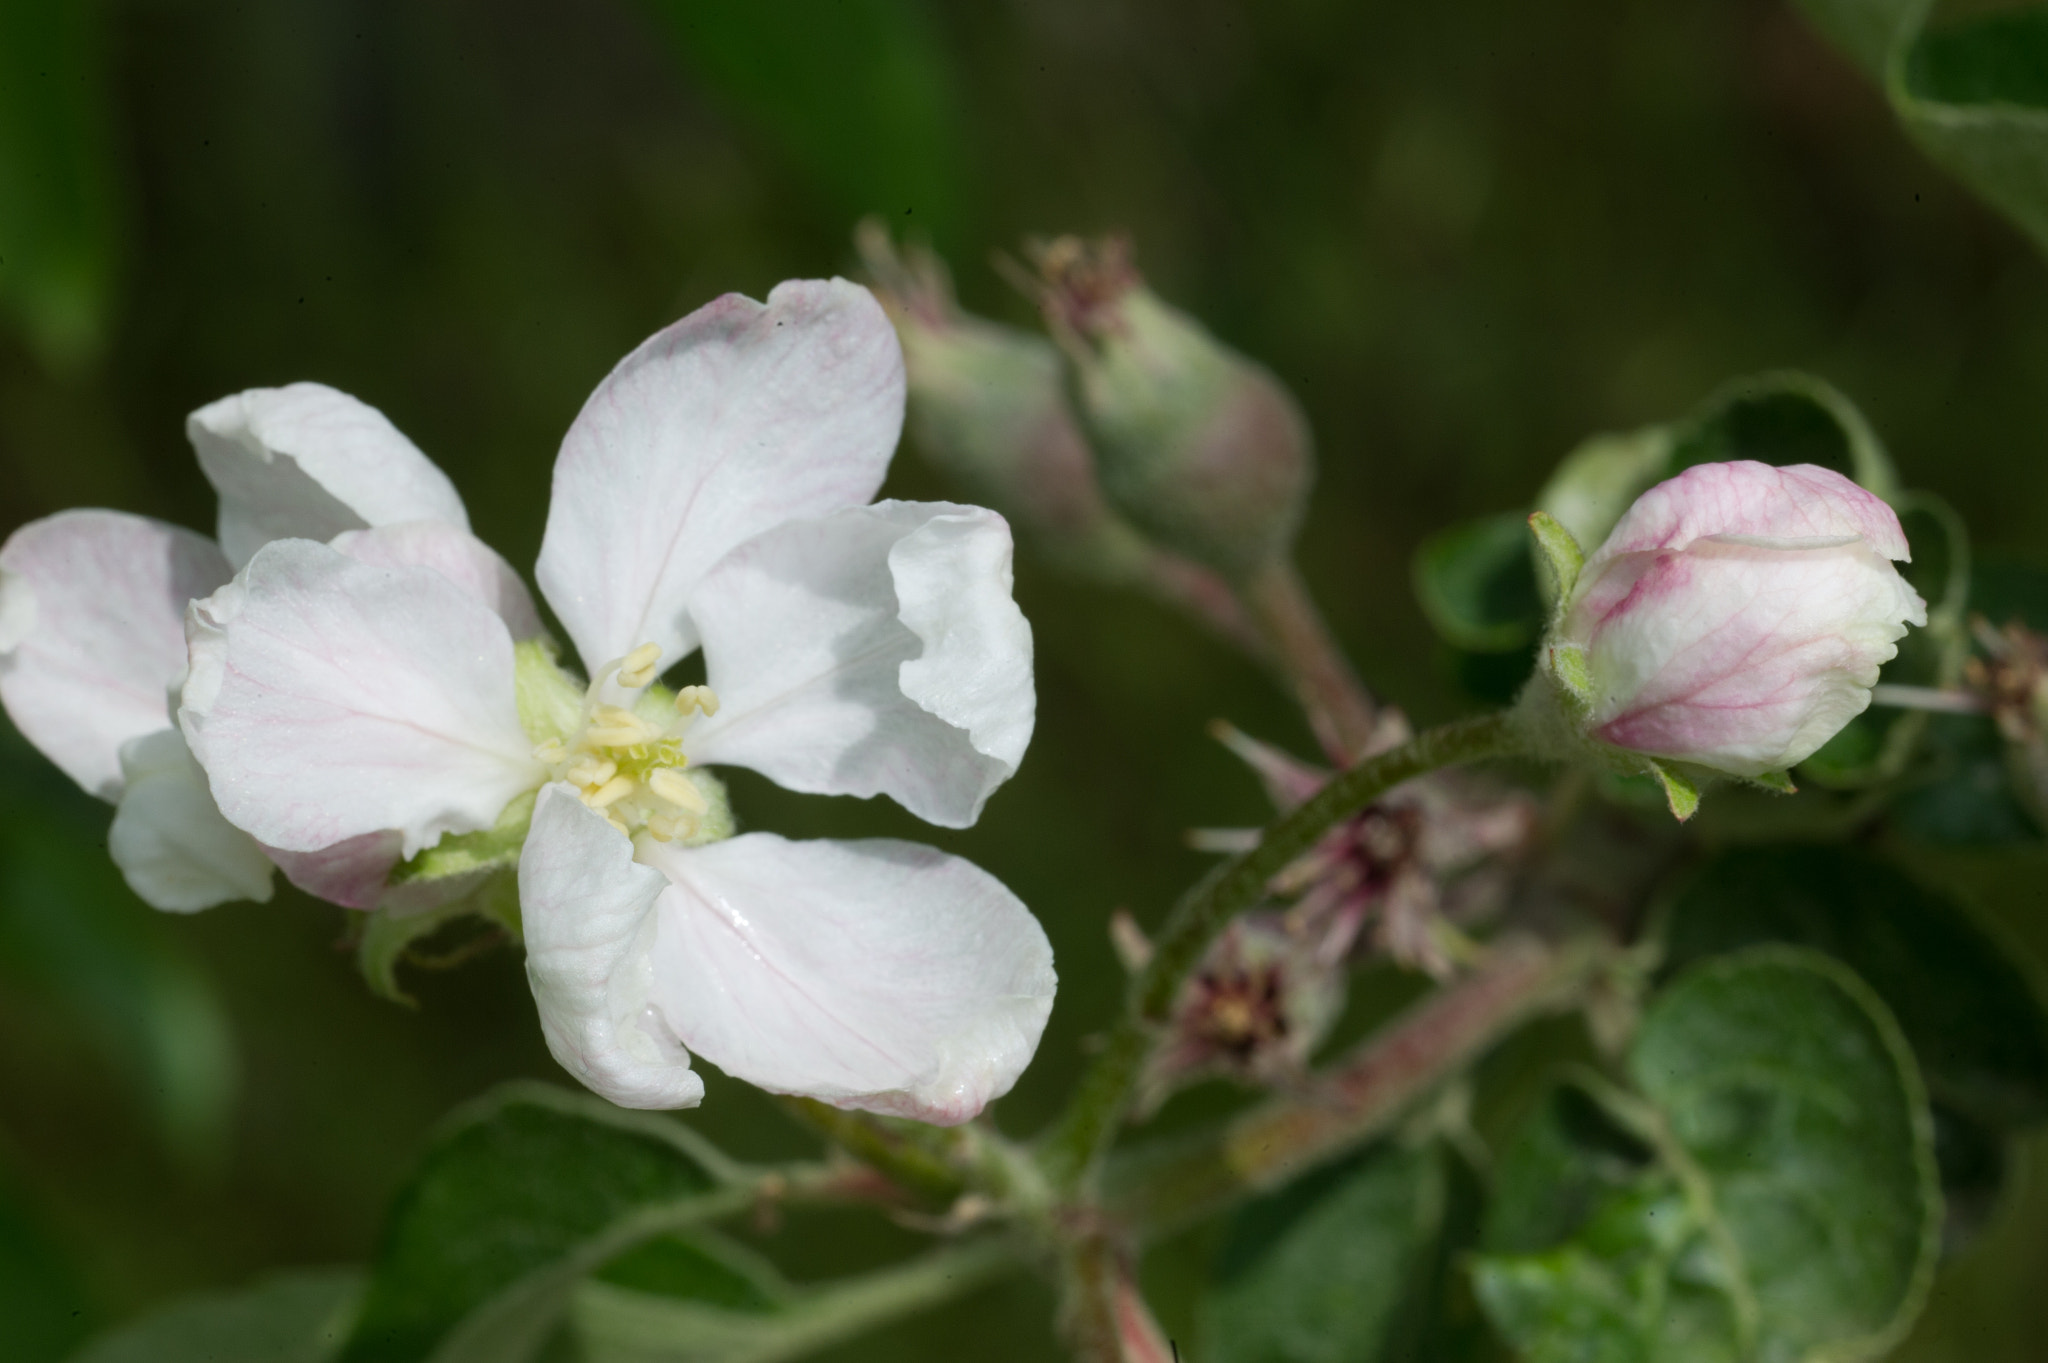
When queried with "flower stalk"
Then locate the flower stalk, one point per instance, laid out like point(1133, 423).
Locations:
point(1339, 710)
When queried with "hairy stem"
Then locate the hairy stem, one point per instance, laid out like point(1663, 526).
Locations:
point(1338, 708)
point(922, 1160)
point(646, 1326)
point(1073, 1151)
point(1156, 1191)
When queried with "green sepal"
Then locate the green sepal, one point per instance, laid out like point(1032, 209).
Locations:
point(1779, 781)
point(1561, 555)
point(1568, 665)
point(1680, 791)
point(389, 933)
point(467, 853)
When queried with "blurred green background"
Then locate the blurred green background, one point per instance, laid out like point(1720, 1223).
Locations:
point(1467, 234)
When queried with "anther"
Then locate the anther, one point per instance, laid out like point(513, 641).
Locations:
point(610, 793)
point(678, 789)
point(590, 771)
point(636, 669)
point(699, 698)
point(613, 727)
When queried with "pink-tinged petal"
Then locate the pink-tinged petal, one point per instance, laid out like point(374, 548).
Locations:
point(169, 839)
point(877, 975)
point(872, 651)
point(455, 554)
point(1735, 656)
point(94, 603)
point(588, 914)
point(737, 418)
point(350, 873)
point(329, 699)
point(1758, 502)
point(307, 462)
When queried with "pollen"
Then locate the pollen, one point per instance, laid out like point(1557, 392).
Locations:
point(628, 763)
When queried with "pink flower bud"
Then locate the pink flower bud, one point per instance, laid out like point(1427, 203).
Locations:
point(1736, 617)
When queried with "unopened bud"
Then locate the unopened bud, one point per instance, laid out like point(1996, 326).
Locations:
point(1198, 446)
point(989, 409)
point(1734, 621)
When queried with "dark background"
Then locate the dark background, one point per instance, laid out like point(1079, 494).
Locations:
point(1468, 234)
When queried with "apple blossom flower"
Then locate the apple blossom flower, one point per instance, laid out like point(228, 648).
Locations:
point(92, 608)
point(383, 698)
point(1736, 617)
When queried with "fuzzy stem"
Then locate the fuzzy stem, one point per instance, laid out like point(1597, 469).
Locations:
point(645, 1325)
point(1074, 1149)
point(1338, 708)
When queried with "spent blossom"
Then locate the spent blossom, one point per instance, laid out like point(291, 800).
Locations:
point(1394, 880)
point(391, 698)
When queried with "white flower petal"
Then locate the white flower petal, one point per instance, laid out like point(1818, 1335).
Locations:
point(330, 698)
point(587, 912)
point(169, 838)
point(879, 975)
point(872, 651)
point(455, 554)
point(737, 418)
point(307, 462)
point(94, 602)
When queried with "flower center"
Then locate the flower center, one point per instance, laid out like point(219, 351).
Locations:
point(628, 764)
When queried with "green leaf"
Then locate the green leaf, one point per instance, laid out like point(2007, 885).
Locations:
point(860, 94)
point(291, 1318)
point(516, 1201)
point(1476, 583)
point(1789, 1212)
point(1973, 94)
point(1320, 1271)
point(1975, 1021)
point(1780, 418)
point(59, 219)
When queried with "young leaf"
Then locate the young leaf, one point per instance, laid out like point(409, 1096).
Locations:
point(514, 1203)
point(1790, 1211)
point(1318, 1272)
point(291, 1318)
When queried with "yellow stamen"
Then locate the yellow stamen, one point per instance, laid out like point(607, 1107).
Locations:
point(699, 698)
point(678, 789)
point(611, 792)
point(637, 668)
